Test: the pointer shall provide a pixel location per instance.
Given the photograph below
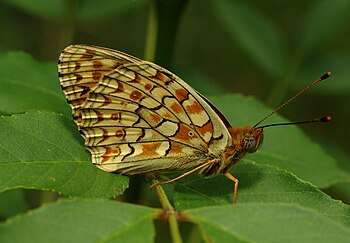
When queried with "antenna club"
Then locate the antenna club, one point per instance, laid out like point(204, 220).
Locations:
point(325, 119)
point(326, 75)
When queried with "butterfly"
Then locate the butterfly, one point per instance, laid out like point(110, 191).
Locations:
point(137, 117)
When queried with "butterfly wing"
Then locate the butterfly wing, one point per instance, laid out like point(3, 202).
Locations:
point(81, 67)
point(139, 117)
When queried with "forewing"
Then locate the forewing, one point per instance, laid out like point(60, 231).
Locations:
point(140, 117)
point(80, 68)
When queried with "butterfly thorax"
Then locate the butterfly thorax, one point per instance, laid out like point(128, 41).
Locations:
point(244, 140)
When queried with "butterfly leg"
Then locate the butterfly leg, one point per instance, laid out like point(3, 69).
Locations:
point(184, 174)
point(235, 191)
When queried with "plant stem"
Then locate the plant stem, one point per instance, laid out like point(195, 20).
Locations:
point(164, 20)
point(162, 29)
point(151, 39)
point(67, 36)
point(170, 210)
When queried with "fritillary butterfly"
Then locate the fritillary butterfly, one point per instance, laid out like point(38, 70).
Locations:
point(137, 117)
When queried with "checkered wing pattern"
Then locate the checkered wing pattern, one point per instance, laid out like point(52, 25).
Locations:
point(136, 116)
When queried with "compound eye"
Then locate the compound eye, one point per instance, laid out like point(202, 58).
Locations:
point(249, 144)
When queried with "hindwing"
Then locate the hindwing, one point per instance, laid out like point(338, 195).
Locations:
point(136, 116)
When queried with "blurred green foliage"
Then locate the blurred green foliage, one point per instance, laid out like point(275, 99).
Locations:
point(268, 49)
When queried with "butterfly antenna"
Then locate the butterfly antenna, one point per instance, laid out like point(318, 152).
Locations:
point(322, 119)
point(325, 76)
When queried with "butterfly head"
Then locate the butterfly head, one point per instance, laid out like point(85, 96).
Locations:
point(252, 139)
point(246, 139)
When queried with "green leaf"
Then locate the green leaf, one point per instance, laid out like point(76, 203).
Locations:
point(258, 183)
point(285, 147)
point(340, 190)
point(29, 85)
point(260, 222)
point(82, 221)
point(325, 21)
point(45, 151)
point(255, 33)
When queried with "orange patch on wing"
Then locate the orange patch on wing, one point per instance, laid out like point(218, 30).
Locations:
point(120, 88)
point(120, 134)
point(137, 78)
point(208, 127)
point(135, 95)
point(88, 54)
point(105, 132)
point(148, 86)
point(175, 149)
point(77, 66)
point(150, 150)
point(160, 76)
point(176, 108)
point(78, 76)
point(109, 153)
point(168, 115)
point(155, 118)
point(116, 116)
point(97, 64)
point(96, 75)
point(184, 133)
point(194, 108)
point(181, 94)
